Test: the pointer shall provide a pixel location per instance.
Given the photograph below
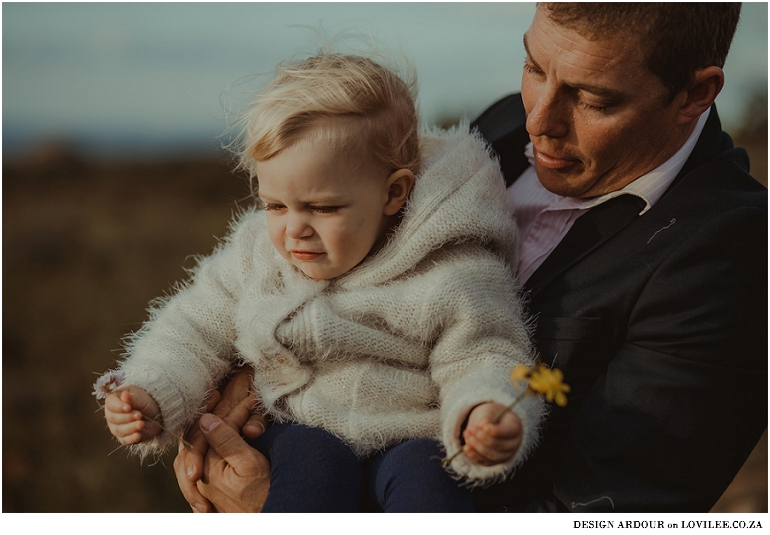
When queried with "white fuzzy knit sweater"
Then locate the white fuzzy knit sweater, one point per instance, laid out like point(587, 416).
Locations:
point(402, 346)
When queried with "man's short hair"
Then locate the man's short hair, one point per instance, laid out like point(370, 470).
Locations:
point(680, 38)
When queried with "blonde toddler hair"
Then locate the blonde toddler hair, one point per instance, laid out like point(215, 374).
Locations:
point(351, 102)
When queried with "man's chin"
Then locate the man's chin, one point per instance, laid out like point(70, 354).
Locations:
point(566, 183)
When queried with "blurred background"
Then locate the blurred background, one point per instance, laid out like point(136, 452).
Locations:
point(114, 176)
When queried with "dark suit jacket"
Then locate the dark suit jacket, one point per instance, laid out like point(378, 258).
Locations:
point(659, 323)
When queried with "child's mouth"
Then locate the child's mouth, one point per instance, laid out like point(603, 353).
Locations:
point(305, 256)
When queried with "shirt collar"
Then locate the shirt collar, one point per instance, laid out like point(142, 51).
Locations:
point(649, 187)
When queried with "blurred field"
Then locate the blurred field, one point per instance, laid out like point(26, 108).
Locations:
point(86, 245)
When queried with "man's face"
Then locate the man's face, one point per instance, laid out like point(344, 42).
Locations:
point(597, 117)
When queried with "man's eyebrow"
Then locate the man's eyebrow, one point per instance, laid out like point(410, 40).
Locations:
point(603, 92)
point(526, 48)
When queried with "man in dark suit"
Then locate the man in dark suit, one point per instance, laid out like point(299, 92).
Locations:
point(653, 301)
point(643, 260)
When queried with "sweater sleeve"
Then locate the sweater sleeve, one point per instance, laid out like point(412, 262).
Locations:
point(483, 337)
point(187, 345)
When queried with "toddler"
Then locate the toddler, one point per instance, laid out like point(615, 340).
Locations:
point(371, 292)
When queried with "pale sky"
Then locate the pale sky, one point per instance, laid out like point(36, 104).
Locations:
point(170, 71)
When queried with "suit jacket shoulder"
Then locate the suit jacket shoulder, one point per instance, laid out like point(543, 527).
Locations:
point(503, 126)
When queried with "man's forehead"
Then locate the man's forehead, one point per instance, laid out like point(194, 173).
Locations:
point(602, 66)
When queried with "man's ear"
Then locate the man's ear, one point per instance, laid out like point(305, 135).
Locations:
point(701, 92)
point(399, 184)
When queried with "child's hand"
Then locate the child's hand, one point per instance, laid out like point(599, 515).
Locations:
point(488, 444)
point(123, 411)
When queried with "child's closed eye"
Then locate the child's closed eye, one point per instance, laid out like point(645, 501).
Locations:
point(325, 209)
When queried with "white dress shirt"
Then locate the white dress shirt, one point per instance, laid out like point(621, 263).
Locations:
point(544, 218)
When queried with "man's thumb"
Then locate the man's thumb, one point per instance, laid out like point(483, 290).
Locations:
point(225, 440)
point(209, 422)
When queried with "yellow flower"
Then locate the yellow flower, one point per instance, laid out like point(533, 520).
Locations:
point(520, 374)
point(549, 383)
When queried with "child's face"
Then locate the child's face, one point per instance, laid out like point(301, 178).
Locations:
point(325, 212)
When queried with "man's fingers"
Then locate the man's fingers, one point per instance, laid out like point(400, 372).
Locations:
point(236, 477)
point(193, 461)
point(235, 390)
point(226, 441)
point(254, 426)
point(241, 412)
point(189, 489)
point(214, 398)
point(242, 417)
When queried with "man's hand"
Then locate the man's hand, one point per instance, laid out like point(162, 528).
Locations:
point(235, 403)
point(488, 444)
point(236, 477)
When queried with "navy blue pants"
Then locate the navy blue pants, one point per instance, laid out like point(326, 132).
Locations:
point(314, 471)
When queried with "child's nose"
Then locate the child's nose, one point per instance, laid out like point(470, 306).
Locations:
point(297, 227)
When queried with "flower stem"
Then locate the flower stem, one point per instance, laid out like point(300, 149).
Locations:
point(509, 407)
point(448, 460)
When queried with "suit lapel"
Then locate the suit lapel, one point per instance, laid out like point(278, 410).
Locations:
point(587, 233)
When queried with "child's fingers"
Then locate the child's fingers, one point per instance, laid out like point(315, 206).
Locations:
point(473, 455)
point(509, 426)
point(505, 448)
point(479, 452)
point(486, 449)
point(119, 418)
point(486, 435)
point(477, 457)
point(116, 403)
point(485, 456)
point(488, 444)
point(505, 434)
point(128, 433)
point(133, 438)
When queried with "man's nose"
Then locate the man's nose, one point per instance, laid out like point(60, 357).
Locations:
point(298, 227)
point(550, 115)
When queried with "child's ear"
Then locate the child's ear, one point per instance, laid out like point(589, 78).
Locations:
point(399, 185)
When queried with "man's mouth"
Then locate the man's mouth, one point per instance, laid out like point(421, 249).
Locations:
point(305, 256)
point(552, 162)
